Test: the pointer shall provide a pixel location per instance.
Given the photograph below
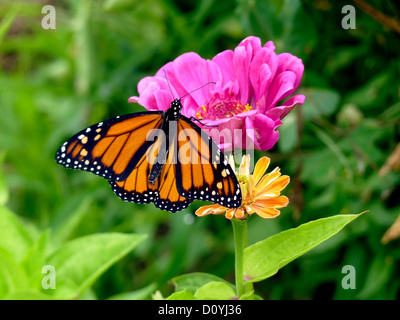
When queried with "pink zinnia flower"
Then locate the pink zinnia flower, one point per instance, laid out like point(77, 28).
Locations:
point(250, 82)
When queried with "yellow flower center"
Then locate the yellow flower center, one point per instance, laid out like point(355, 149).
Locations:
point(221, 107)
point(247, 186)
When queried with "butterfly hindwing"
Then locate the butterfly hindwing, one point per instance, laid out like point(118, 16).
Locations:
point(204, 172)
point(111, 148)
point(168, 195)
point(136, 188)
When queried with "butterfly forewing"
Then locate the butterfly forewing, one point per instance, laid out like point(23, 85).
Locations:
point(111, 148)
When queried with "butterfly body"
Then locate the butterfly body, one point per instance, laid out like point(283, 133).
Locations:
point(170, 115)
point(154, 156)
point(155, 172)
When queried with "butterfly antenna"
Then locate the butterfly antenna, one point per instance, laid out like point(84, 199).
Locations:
point(197, 89)
point(169, 86)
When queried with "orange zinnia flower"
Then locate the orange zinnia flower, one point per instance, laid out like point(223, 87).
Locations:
point(260, 193)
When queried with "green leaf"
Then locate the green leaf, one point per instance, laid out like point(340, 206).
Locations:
point(319, 102)
point(69, 218)
point(140, 294)
point(366, 96)
point(118, 5)
point(34, 259)
point(195, 280)
point(15, 238)
point(83, 260)
point(215, 290)
point(333, 146)
point(12, 276)
point(157, 295)
point(27, 294)
point(181, 295)
point(248, 296)
point(264, 258)
point(65, 289)
point(7, 21)
point(379, 274)
point(4, 194)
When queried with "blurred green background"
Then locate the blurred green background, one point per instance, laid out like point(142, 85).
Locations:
point(336, 147)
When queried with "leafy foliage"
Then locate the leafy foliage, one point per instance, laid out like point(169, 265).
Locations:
point(76, 265)
point(335, 147)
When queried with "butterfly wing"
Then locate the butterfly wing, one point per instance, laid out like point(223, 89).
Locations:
point(136, 188)
point(111, 148)
point(124, 150)
point(203, 171)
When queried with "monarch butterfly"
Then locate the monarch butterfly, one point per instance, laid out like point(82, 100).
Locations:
point(154, 156)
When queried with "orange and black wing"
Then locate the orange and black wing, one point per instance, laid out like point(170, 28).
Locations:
point(136, 188)
point(202, 170)
point(112, 148)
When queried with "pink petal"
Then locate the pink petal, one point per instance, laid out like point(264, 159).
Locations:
point(252, 45)
point(163, 99)
point(147, 98)
point(145, 82)
point(226, 135)
point(167, 72)
point(224, 61)
point(286, 107)
point(265, 135)
point(282, 86)
point(154, 94)
point(192, 72)
point(247, 130)
point(270, 45)
point(230, 133)
point(133, 99)
point(262, 71)
point(289, 62)
point(241, 65)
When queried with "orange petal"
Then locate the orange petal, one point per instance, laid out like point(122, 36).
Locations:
point(249, 209)
point(260, 168)
point(230, 213)
point(267, 179)
point(219, 210)
point(266, 195)
point(239, 214)
point(278, 202)
point(266, 212)
point(274, 187)
point(203, 211)
point(251, 187)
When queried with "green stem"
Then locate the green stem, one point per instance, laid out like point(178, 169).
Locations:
point(240, 238)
